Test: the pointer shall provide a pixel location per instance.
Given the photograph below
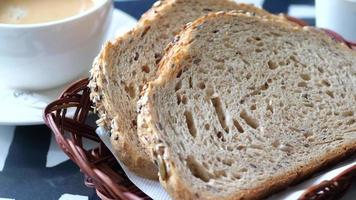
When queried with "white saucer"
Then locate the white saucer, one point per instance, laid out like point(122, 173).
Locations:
point(25, 108)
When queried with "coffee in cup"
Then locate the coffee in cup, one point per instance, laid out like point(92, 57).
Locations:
point(41, 11)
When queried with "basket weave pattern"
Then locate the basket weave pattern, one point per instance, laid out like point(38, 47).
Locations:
point(99, 166)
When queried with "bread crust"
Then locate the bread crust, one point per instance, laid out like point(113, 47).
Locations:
point(123, 135)
point(149, 128)
point(129, 151)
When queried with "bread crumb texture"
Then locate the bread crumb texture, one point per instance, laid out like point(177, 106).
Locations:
point(245, 105)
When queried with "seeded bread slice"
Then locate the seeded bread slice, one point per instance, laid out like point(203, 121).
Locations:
point(245, 106)
point(124, 65)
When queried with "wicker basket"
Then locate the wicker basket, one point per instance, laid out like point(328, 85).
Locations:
point(100, 167)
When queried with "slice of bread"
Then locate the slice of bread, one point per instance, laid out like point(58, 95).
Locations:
point(123, 67)
point(245, 106)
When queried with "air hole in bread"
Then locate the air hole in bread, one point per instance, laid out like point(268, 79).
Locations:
point(253, 107)
point(236, 176)
point(219, 173)
point(184, 99)
point(310, 105)
point(179, 74)
point(326, 83)
point(330, 93)
point(253, 123)
point(178, 85)
point(264, 86)
point(275, 143)
point(256, 146)
point(257, 38)
point(311, 139)
point(240, 147)
point(219, 60)
point(307, 134)
point(260, 44)
point(283, 63)
point(347, 114)
point(201, 85)
point(251, 164)
point(238, 126)
point(248, 76)
point(321, 70)
point(305, 96)
point(293, 58)
point(249, 40)
point(339, 124)
point(228, 45)
point(207, 9)
point(190, 82)
point(136, 56)
point(302, 84)
point(179, 98)
point(158, 57)
point(145, 69)
point(230, 148)
point(197, 169)
point(305, 77)
point(220, 135)
point(205, 142)
point(197, 61)
point(130, 90)
point(258, 50)
point(243, 170)
point(272, 65)
point(220, 67)
point(134, 123)
point(228, 162)
point(220, 113)
point(256, 92)
point(190, 123)
point(246, 62)
point(350, 122)
point(329, 113)
point(207, 127)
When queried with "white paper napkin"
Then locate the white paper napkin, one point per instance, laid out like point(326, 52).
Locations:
point(156, 191)
point(152, 188)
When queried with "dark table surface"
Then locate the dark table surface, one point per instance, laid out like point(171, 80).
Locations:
point(26, 152)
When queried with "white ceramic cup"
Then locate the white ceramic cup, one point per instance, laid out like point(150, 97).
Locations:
point(337, 15)
point(47, 55)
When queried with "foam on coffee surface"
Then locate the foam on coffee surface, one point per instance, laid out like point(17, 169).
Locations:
point(38, 11)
